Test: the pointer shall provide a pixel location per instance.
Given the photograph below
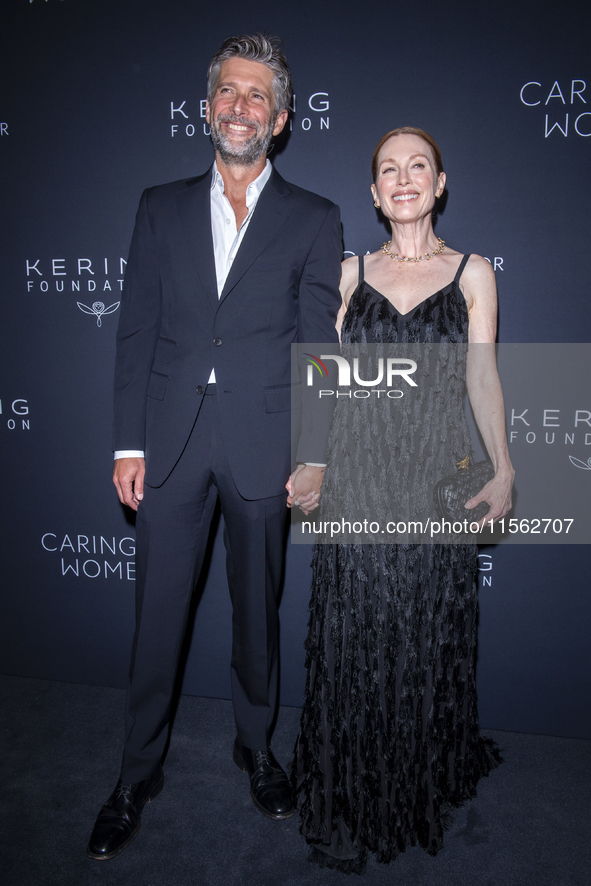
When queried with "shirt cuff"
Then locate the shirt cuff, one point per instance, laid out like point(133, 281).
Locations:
point(128, 453)
point(313, 464)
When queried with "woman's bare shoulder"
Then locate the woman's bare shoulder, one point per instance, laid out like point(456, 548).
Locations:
point(349, 276)
point(350, 268)
point(478, 271)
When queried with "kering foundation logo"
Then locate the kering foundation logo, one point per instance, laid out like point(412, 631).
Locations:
point(92, 556)
point(15, 416)
point(188, 119)
point(78, 275)
point(561, 107)
point(550, 427)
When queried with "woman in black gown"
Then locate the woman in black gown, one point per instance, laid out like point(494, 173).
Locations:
point(389, 736)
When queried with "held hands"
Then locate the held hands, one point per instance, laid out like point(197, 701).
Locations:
point(497, 493)
point(128, 477)
point(303, 487)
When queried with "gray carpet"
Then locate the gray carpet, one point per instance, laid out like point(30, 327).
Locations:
point(61, 745)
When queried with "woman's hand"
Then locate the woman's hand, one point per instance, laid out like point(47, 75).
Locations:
point(498, 494)
point(303, 487)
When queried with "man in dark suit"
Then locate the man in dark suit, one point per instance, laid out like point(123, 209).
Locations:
point(226, 271)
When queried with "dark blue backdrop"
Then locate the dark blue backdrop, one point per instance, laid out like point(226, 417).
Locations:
point(104, 98)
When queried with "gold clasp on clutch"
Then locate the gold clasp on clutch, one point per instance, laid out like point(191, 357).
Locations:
point(464, 464)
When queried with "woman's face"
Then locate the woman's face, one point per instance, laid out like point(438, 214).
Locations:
point(407, 181)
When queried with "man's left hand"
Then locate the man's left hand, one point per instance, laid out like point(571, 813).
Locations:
point(303, 487)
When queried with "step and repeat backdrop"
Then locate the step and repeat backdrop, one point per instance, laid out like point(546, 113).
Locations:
point(102, 98)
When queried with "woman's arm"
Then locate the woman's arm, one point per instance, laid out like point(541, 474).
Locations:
point(484, 386)
point(349, 278)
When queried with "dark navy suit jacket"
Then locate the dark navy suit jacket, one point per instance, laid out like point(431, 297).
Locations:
point(282, 289)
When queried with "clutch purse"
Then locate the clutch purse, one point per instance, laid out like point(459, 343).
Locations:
point(451, 494)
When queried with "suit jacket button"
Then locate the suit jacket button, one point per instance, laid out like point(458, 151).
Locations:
point(217, 342)
point(200, 389)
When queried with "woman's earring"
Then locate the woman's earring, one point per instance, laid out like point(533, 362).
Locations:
point(376, 204)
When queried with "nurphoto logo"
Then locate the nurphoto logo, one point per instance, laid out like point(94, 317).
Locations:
point(385, 371)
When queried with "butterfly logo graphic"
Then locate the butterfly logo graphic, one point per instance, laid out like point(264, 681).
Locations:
point(98, 310)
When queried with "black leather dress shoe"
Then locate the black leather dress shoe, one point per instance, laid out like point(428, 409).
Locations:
point(269, 785)
point(119, 820)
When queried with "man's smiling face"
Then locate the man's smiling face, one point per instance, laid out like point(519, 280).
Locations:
point(242, 114)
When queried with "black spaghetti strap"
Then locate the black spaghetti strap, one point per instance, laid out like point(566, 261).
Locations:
point(461, 268)
point(361, 272)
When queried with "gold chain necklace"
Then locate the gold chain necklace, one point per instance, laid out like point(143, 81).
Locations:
point(427, 255)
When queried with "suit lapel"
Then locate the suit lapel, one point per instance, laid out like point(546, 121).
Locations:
point(270, 213)
point(195, 211)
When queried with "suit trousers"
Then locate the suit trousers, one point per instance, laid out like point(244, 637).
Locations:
point(172, 528)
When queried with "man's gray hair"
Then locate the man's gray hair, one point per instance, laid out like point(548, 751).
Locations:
point(254, 48)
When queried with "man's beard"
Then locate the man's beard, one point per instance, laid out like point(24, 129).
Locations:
point(250, 150)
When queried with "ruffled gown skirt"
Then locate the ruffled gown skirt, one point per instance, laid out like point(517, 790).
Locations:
point(389, 737)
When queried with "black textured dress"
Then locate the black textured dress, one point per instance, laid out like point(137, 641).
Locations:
point(389, 737)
